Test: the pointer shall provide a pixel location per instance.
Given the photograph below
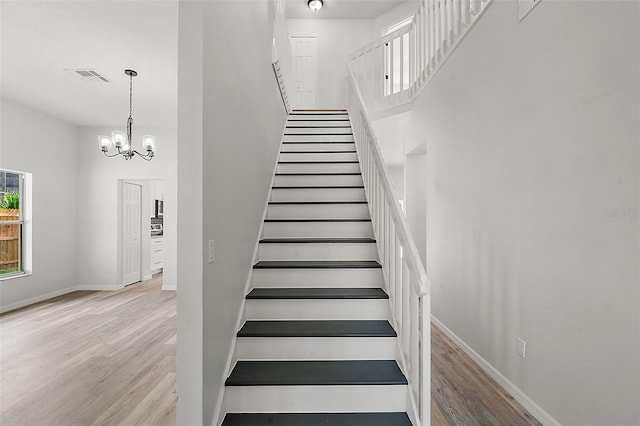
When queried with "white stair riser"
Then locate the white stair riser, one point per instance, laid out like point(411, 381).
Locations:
point(316, 348)
point(317, 309)
point(256, 399)
point(318, 194)
point(319, 180)
point(314, 156)
point(309, 146)
point(317, 251)
point(324, 211)
point(317, 230)
point(308, 167)
point(318, 130)
point(316, 117)
point(318, 138)
point(317, 123)
point(309, 278)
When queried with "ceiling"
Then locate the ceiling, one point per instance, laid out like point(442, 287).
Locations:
point(341, 9)
point(41, 39)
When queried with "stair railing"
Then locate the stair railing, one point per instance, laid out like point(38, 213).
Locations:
point(391, 71)
point(404, 275)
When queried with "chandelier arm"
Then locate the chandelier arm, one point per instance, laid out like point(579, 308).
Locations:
point(112, 155)
point(146, 157)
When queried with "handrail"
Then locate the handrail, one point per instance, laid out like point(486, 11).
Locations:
point(394, 69)
point(406, 281)
point(281, 85)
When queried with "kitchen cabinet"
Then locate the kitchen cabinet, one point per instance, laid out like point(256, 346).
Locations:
point(156, 259)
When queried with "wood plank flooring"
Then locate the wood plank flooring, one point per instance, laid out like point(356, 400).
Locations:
point(108, 358)
point(103, 358)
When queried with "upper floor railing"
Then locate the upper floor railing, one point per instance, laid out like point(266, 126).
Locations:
point(392, 70)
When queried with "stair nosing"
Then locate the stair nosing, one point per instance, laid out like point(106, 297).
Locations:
point(352, 378)
point(317, 241)
point(317, 220)
point(319, 187)
point(307, 293)
point(319, 264)
point(385, 330)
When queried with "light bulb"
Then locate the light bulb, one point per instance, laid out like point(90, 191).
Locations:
point(117, 138)
point(104, 142)
point(315, 5)
point(149, 143)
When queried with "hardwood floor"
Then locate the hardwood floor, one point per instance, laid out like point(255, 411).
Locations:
point(84, 358)
point(463, 394)
point(108, 358)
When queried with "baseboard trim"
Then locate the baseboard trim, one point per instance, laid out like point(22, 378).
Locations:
point(169, 287)
point(534, 409)
point(36, 299)
point(101, 287)
point(147, 277)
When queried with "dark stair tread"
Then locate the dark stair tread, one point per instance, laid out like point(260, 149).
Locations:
point(317, 264)
point(317, 202)
point(333, 328)
point(321, 187)
point(318, 134)
point(317, 241)
point(299, 142)
point(318, 152)
point(318, 162)
point(317, 293)
point(316, 419)
point(317, 220)
point(319, 174)
point(319, 373)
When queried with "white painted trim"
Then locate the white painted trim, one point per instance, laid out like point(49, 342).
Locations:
point(37, 299)
point(147, 277)
point(102, 287)
point(218, 414)
point(169, 287)
point(534, 409)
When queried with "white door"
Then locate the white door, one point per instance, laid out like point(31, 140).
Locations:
point(305, 71)
point(132, 233)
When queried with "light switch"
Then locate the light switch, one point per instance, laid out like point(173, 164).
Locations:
point(212, 250)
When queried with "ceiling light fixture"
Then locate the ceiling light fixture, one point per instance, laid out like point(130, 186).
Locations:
point(315, 5)
point(121, 140)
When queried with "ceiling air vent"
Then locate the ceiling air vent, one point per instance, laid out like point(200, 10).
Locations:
point(89, 75)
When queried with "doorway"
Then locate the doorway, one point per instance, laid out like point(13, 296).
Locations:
point(131, 233)
point(305, 71)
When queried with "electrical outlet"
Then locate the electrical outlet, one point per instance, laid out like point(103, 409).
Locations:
point(522, 348)
point(212, 251)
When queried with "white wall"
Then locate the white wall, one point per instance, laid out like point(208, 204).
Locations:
point(189, 356)
point(97, 220)
point(337, 38)
point(243, 123)
point(46, 147)
point(532, 141)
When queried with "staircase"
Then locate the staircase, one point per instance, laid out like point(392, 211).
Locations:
point(317, 347)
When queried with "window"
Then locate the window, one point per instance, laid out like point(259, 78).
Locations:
point(12, 223)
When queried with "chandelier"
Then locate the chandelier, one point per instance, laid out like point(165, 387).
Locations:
point(121, 140)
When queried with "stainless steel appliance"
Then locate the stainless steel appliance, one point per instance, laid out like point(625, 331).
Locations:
point(156, 229)
point(159, 208)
